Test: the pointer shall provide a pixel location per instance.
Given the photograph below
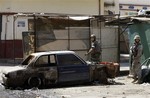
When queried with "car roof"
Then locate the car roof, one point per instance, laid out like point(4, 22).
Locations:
point(53, 52)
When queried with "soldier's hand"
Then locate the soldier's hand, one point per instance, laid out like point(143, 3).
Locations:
point(86, 54)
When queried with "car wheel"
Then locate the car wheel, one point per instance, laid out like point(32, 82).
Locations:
point(34, 82)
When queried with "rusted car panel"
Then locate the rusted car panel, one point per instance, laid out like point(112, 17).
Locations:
point(99, 73)
point(102, 71)
point(48, 68)
point(112, 69)
point(20, 78)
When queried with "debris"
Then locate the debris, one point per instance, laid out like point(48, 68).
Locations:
point(145, 84)
point(65, 96)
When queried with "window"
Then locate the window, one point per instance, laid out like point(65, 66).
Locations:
point(42, 61)
point(27, 60)
point(131, 7)
point(144, 7)
point(46, 61)
point(121, 6)
point(69, 59)
point(52, 60)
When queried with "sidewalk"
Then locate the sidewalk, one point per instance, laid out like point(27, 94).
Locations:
point(10, 62)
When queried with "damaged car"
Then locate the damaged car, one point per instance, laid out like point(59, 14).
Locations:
point(57, 67)
point(145, 72)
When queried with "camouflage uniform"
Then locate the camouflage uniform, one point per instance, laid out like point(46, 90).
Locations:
point(95, 54)
point(137, 51)
point(95, 49)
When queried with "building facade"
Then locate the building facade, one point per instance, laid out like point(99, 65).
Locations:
point(54, 18)
point(131, 7)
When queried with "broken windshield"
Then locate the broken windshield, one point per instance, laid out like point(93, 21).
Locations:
point(28, 60)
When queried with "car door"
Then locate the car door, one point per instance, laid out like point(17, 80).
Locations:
point(46, 65)
point(72, 68)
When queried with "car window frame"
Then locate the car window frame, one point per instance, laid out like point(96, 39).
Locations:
point(49, 63)
point(59, 64)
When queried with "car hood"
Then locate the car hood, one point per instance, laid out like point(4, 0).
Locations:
point(13, 68)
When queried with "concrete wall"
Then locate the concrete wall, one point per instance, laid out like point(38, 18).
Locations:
point(109, 44)
point(51, 6)
point(89, 7)
point(108, 38)
point(111, 5)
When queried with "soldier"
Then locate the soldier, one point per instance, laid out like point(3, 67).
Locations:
point(95, 49)
point(136, 53)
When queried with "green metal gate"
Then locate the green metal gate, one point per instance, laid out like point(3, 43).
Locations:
point(142, 29)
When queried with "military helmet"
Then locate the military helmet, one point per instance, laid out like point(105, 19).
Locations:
point(136, 37)
point(93, 35)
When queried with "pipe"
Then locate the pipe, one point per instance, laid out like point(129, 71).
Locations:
point(5, 36)
point(119, 39)
point(68, 33)
point(14, 17)
point(99, 7)
point(34, 33)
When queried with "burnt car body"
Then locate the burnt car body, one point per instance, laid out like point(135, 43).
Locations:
point(145, 72)
point(54, 67)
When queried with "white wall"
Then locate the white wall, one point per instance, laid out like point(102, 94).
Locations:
point(88, 7)
point(9, 31)
point(51, 6)
point(114, 6)
point(141, 2)
point(7, 28)
point(19, 29)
